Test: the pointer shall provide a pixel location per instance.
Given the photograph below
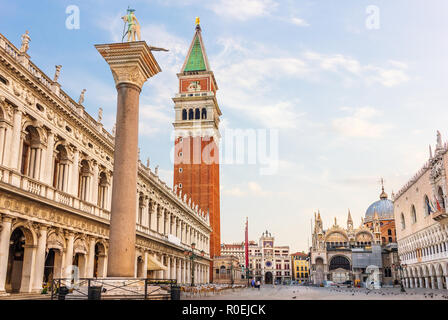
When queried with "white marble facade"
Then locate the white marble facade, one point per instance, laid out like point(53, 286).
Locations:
point(56, 178)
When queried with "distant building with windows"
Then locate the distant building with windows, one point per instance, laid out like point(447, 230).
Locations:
point(300, 267)
point(268, 263)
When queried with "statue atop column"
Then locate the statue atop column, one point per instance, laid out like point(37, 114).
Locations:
point(133, 25)
point(25, 42)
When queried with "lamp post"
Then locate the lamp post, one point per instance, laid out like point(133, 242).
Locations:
point(192, 255)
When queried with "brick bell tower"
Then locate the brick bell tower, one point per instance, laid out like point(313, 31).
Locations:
point(196, 128)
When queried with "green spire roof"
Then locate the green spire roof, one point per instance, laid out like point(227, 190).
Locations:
point(196, 59)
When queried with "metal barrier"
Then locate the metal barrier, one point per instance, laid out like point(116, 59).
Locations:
point(121, 288)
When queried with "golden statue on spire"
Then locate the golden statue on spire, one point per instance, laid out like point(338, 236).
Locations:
point(198, 21)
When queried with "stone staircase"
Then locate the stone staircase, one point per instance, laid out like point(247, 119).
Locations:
point(25, 296)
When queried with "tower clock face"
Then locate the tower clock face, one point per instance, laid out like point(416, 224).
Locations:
point(268, 264)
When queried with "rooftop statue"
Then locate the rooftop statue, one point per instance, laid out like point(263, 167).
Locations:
point(81, 96)
point(57, 73)
point(25, 42)
point(133, 25)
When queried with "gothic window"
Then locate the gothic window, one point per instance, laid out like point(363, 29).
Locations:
point(441, 198)
point(204, 114)
point(60, 174)
point(197, 115)
point(103, 185)
point(190, 114)
point(184, 114)
point(413, 214)
point(84, 181)
point(427, 206)
point(403, 222)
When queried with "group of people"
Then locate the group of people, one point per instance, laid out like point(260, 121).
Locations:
point(256, 284)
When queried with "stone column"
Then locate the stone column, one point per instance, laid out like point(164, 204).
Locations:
point(173, 268)
point(184, 268)
point(75, 174)
point(420, 280)
point(153, 225)
point(433, 283)
point(439, 282)
point(40, 259)
point(169, 267)
point(145, 264)
point(15, 141)
point(187, 271)
point(131, 63)
point(48, 171)
point(426, 282)
point(91, 258)
point(94, 184)
point(68, 262)
point(178, 271)
point(5, 235)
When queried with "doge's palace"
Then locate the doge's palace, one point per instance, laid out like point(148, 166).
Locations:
point(56, 180)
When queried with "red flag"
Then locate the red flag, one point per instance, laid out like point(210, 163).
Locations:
point(438, 205)
point(246, 245)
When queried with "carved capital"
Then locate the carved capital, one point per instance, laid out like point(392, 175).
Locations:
point(128, 75)
point(130, 62)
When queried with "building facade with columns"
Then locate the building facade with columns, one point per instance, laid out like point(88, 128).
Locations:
point(422, 223)
point(56, 179)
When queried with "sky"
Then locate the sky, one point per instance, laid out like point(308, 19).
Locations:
point(350, 91)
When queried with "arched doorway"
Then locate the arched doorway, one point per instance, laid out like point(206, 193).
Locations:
point(80, 261)
point(15, 261)
point(268, 278)
point(99, 261)
point(49, 266)
point(140, 267)
point(340, 269)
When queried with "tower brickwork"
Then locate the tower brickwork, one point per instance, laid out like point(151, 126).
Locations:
point(196, 126)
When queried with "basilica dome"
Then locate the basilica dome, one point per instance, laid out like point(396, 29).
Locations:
point(383, 207)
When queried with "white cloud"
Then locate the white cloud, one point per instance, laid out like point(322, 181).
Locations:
point(351, 69)
point(360, 123)
point(299, 22)
point(243, 9)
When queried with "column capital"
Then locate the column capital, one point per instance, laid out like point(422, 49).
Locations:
point(130, 62)
point(6, 218)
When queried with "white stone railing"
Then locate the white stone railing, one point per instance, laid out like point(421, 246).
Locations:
point(63, 198)
point(43, 190)
point(34, 187)
point(83, 206)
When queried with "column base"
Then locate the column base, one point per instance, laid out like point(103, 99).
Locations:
point(4, 294)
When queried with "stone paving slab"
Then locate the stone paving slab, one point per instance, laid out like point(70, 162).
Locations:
point(315, 293)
